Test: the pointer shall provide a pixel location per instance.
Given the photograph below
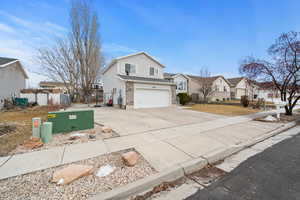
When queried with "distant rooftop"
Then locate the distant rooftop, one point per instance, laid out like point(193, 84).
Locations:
point(4, 60)
point(235, 81)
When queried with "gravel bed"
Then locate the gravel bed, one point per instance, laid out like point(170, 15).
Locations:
point(37, 185)
point(64, 139)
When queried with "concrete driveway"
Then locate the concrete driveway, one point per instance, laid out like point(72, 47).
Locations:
point(127, 122)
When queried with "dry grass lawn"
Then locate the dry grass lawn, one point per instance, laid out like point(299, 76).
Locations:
point(228, 110)
point(251, 102)
point(22, 118)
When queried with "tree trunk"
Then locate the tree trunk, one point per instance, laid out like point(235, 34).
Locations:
point(288, 110)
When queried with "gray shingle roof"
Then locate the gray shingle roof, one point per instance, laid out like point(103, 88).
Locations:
point(136, 78)
point(4, 60)
point(168, 75)
point(235, 81)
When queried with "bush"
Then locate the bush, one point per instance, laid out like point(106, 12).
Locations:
point(245, 101)
point(184, 98)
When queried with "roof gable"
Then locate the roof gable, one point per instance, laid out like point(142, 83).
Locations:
point(4, 61)
point(235, 81)
point(19, 65)
point(128, 56)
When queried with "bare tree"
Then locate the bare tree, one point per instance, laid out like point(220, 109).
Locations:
point(76, 60)
point(59, 65)
point(283, 71)
point(205, 83)
point(85, 42)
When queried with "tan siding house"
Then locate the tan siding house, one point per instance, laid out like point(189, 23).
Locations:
point(240, 86)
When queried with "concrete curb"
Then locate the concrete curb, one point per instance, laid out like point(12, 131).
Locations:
point(142, 185)
point(193, 165)
point(270, 134)
point(180, 170)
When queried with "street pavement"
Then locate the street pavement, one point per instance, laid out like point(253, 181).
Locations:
point(273, 174)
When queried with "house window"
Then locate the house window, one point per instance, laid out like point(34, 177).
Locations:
point(181, 85)
point(225, 90)
point(151, 71)
point(129, 69)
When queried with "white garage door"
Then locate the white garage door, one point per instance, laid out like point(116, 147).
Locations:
point(151, 98)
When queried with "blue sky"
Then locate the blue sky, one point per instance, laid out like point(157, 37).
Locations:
point(183, 35)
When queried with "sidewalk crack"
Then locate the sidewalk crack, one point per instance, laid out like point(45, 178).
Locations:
point(177, 148)
point(63, 154)
point(6, 160)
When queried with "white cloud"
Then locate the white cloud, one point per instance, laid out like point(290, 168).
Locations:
point(16, 49)
point(55, 26)
point(22, 42)
point(6, 28)
point(34, 28)
point(34, 79)
point(116, 48)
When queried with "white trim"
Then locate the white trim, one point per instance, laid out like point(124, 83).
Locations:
point(19, 65)
point(146, 82)
point(9, 63)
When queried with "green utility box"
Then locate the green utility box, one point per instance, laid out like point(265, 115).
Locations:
point(67, 121)
point(21, 102)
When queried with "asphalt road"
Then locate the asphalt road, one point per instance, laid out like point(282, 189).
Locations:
point(273, 174)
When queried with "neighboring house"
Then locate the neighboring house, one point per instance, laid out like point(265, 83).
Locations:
point(12, 78)
point(220, 88)
point(180, 80)
point(241, 86)
point(268, 91)
point(137, 81)
point(52, 85)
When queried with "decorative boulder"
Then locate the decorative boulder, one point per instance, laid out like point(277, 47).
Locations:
point(130, 158)
point(71, 173)
point(106, 129)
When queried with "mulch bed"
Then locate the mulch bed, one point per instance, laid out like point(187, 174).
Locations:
point(6, 128)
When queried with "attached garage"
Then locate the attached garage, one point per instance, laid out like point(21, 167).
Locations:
point(152, 98)
point(142, 92)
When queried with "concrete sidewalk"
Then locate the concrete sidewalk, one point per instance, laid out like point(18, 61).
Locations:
point(162, 148)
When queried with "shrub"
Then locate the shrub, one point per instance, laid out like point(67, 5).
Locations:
point(184, 98)
point(245, 101)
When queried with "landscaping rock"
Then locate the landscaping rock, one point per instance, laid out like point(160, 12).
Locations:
point(106, 129)
point(33, 143)
point(130, 158)
point(71, 173)
point(105, 170)
point(76, 136)
point(270, 118)
point(92, 136)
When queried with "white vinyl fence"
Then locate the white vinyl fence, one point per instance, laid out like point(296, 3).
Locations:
point(43, 99)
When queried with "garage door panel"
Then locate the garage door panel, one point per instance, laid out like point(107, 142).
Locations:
point(151, 98)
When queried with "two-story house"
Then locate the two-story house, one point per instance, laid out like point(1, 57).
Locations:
point(180, 80)
point(218, 86)
point(137, 81)
point(242, 86)
point(12, 78)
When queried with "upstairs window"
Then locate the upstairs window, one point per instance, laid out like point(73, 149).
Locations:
point(181, 85)
point(129, 69)
point(151, 71)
